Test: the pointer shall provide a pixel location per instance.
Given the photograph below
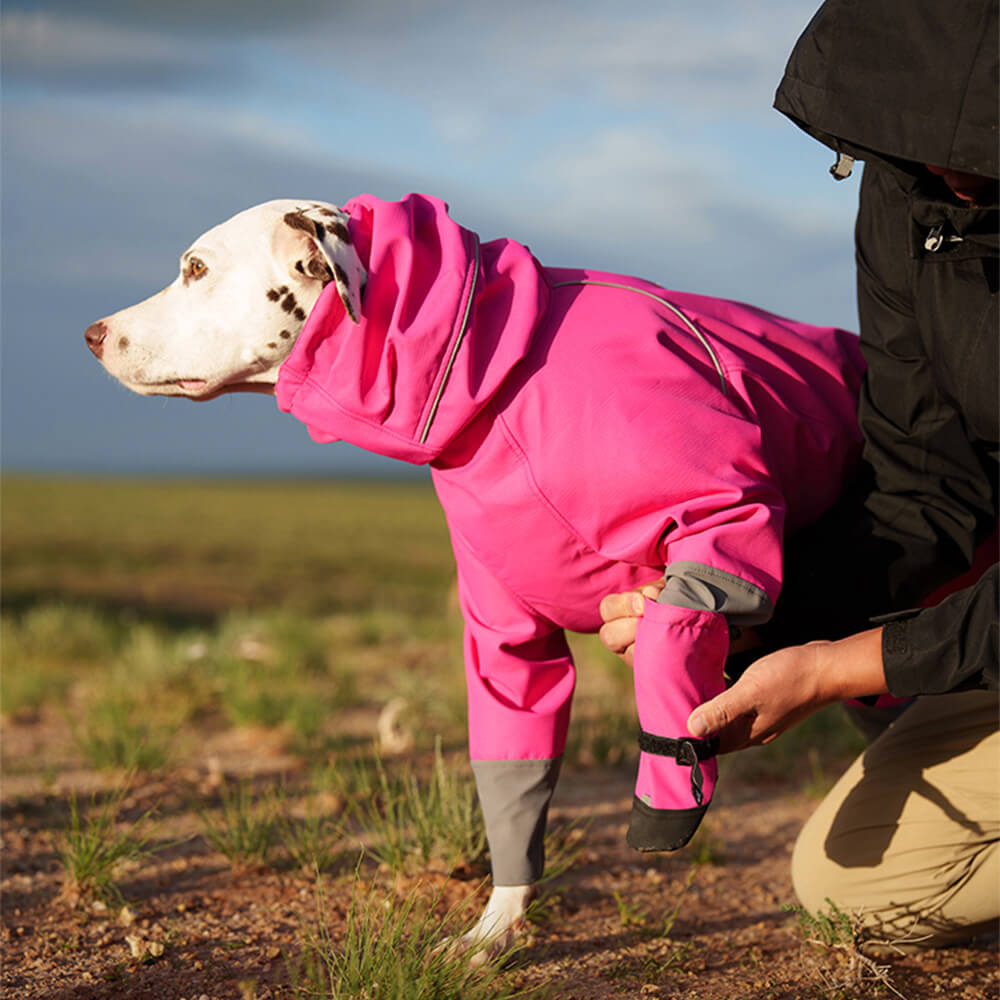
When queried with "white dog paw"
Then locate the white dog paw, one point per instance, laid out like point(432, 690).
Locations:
point(497, 929)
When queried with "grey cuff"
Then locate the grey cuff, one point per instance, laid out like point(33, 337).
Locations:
point(514, 795)
point(698, 587)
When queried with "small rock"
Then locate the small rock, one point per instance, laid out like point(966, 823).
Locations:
point(126, 916)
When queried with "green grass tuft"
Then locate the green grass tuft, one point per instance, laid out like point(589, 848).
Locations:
point(245, 831)
point(92, 848)
point(391, 950)
point(412, 821)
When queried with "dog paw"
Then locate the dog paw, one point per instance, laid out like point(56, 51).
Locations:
point(478, 949)
point(497, 930)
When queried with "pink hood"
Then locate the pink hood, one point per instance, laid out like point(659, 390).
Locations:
point(429, 283)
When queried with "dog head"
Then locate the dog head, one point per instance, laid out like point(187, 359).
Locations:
point(235, 309)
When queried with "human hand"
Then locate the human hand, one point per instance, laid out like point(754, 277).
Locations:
point(786, 686)
point(621, 614)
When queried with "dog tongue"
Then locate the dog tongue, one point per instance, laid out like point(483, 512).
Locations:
point(191, 384)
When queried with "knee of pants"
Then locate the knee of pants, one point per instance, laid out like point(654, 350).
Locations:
point(910, 833)
point(815, 880)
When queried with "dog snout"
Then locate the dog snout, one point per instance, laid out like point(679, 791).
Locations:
point(95, 337)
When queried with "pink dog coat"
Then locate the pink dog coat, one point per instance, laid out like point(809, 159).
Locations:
point(586, 432)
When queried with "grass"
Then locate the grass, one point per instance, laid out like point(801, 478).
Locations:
point(94, 847)
point(414, 821)
point(156, 617)
point(838, 936)
point(246, 828)
point(390, 950)
point(314, 840)
point(660, 953)
point(189, 552)
point(114, 736)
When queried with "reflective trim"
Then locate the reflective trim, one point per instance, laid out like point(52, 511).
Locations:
point(698, 587)
point(454, 351)
point(514, 795)
point(663, 302)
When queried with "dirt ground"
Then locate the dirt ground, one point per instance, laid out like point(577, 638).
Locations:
point(226, 935)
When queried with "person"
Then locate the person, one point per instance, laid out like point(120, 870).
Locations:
point(909, 835)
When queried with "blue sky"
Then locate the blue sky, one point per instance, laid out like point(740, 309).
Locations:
point(636, 138)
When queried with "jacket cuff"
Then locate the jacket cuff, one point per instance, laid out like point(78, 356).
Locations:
point(515, 796)
point(951, 646)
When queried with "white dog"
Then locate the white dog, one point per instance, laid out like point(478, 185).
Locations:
point(585, 431)
point(235, 309)
point(225, 324)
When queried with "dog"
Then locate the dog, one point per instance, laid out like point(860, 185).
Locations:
point(586, 432)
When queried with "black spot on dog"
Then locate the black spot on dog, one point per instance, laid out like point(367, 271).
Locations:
point(288, 302)
point(299, 314)
point(273, 294)
point(272, 346)
point(284, 335)
point(123, 343)
point(299, 220)
point(319, 268)
point(339, 230)
point(345, 282)
point(299, 267)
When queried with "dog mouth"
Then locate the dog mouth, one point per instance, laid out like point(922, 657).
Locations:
point(199, 390)
point(195, 386)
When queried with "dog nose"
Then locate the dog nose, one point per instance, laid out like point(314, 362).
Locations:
point(94, 336)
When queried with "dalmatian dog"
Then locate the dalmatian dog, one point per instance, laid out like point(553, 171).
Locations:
point(468, 357)
point(226, 323)
point(233, 313)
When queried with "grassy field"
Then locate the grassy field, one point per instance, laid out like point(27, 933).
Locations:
point(240, 704)
point(239, 602)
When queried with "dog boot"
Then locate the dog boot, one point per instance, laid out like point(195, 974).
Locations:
point(679, 658)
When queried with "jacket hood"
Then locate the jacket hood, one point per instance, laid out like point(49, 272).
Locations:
point(443, 321)
point(913, 80)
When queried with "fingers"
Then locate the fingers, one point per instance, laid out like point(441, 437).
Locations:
point(714, 716)
point(630, 603)
point(724, 717)
point(621, 614)
point(619, 637)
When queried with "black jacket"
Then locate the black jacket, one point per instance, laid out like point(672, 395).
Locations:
point(901, 84)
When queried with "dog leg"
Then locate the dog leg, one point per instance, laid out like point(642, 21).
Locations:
point(497, 927)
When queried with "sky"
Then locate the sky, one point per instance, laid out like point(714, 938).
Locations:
point(636, 138)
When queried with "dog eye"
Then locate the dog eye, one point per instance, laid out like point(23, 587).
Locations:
point(196, 268)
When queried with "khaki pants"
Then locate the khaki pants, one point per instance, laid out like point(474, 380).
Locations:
point(909, 835)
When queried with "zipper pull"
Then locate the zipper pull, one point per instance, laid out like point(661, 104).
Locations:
point(936, 239)
point(843, 167)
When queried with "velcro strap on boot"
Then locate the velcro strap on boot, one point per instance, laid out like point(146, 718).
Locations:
point(687, 751)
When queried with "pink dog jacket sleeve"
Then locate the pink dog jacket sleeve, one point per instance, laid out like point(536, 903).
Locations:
point(679, 658)
point(520, 679)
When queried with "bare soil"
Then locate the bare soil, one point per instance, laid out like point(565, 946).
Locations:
point(226, 934)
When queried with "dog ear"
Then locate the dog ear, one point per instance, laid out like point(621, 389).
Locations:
point(330, 257)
